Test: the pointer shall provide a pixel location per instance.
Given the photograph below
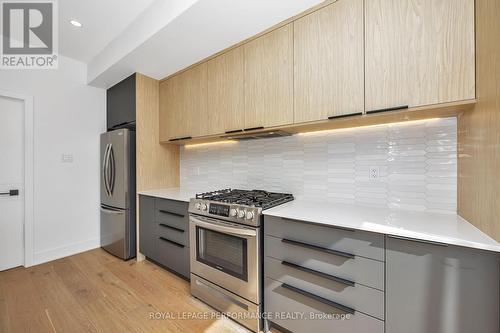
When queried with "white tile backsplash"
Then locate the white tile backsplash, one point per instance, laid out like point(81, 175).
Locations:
point(417, 165)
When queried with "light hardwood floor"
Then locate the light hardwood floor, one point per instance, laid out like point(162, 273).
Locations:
point(96, 292)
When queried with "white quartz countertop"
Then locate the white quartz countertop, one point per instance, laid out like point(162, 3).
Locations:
point(175, 193)
point(442, 228)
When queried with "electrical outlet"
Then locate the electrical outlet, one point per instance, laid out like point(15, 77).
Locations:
point(67, 158)
point(374, 173)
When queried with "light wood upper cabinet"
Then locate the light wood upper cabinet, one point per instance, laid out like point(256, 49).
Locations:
point(226, 99)
point(419, 52)
point(169, 115)
point(183, 104)
point(269, 79)
point(328, 49)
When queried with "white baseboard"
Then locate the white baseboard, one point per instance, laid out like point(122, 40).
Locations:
point(64, 251)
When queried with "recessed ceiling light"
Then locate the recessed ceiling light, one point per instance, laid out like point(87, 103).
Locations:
point(75, 23)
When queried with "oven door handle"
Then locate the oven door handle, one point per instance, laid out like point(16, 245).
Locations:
point(222, 228)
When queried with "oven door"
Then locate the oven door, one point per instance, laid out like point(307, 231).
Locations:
point(226, 254)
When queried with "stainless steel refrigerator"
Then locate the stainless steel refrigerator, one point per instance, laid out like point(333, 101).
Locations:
point(118, 228)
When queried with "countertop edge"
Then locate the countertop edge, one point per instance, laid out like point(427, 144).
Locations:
point(411, 235)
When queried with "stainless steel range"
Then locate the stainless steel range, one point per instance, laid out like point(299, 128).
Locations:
point(226, 251)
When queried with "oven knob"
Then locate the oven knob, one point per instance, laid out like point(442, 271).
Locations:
point(241, 214)
point(233, 212)
point(198, 206)
point(249, 215)
point(204, 207)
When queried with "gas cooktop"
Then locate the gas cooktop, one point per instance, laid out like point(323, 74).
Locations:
point(251, 198)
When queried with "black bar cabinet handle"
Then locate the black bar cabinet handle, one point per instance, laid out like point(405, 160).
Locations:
point(320, 299)
point(183, 138)
point(395, 108)
point(170, 213)
point(319, 248)
point(171, 242)
point(254, 128)
point(234, 131)
point(321, 274)
point(417, 240)
point(329, 226)
point(11, 193)
point(170, 227)
point(346, 115)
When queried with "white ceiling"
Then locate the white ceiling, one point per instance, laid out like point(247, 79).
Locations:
point(159, 37)
point(102, 21)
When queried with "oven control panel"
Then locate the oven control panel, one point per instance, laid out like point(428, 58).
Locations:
point(230, 212)
point(219, 209)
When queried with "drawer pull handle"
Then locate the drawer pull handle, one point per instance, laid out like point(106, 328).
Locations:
point(253, 128)
point(171, 242)
point(396, 108)
point(345, 115)
point(170, 227)
point(234, 131)
point(183, 138)
point(170, 213)
point(321, 274)
point(320, 299)
point(319, 248)
point(417, 240)
point(329, 226)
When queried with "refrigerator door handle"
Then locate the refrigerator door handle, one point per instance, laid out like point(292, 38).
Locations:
point(105, 169)
point(112, 169)
point(112, 211)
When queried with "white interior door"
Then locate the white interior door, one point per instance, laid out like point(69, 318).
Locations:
point(11, 178)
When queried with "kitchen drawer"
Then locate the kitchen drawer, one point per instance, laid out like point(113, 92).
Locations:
point(173, 256)
point(172, 213)
point(279, 299)
point(172, 206)
point(173, 233)
point(361, 298)
point(359, 243)
point(361, 270)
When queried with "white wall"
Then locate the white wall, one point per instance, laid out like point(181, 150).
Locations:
point(417, 163)
point(68, 118)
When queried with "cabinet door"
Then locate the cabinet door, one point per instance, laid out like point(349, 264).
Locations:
point(121, 103)
point(226, 107)
point(440, 289)
point(183, 104)
point(328, 52)
point(147, 226)
point(269, 79)
point(170, 106)
point(418, 52)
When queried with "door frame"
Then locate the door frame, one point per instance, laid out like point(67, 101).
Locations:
point(28, 173)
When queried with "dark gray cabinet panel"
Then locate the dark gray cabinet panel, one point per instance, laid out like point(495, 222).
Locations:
point(164, 233)
point(320, 271)
point(121, 103)
point(173, 255)
point(147, 225)
point(440, 289)
point(356, 296)
point(361, 270)
point(315, 314)
point(359, 243)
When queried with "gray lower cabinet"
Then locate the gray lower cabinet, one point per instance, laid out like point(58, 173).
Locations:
point(147, 225)
point(434, 288)
point(332, 278)
point(322, 279)
point(164, 233)
point(303, 312)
